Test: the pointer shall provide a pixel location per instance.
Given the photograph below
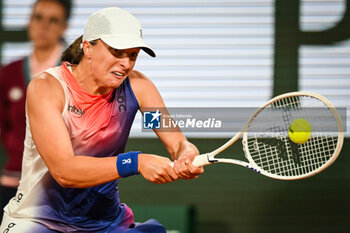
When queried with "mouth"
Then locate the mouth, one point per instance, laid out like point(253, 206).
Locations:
point(118, 75)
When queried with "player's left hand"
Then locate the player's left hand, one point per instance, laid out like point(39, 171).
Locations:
point(183, 165)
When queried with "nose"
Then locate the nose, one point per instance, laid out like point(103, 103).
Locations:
point(126, 62)
point(45, 23)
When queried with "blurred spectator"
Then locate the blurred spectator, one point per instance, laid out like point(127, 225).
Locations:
point(46, 27)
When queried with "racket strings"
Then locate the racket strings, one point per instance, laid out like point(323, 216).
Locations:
point(318, 145)
point(270, 147)
point(268, 157)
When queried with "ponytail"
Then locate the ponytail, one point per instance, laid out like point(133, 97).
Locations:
point(74, 53)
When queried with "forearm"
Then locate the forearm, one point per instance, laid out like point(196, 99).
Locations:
point(85, 171)
point(185, 148)
point(173, 142)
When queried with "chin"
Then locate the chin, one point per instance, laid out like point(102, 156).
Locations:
point(115, 84)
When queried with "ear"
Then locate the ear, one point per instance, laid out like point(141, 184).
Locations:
point(87, 48)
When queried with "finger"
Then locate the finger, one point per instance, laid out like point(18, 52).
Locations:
point(184, 172)
point(178, 168)
point(160, 180)
point(189, 167)
point(194, 170)
point(172, 174)
point(168, 174)
point(172, 171)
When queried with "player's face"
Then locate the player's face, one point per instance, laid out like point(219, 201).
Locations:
point(110, 66)
point(47, 24)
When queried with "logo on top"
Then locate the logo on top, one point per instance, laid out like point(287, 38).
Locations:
point(152, 119)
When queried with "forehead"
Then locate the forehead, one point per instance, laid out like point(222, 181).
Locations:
point(131, 50)
point(49, 8)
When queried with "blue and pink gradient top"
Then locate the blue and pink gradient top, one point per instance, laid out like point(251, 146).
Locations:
point(98, 126)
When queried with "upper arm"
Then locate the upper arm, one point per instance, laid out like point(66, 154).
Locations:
point(45, 103)
point(145, 91)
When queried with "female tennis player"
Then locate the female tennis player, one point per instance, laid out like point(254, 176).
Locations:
point(79, 116)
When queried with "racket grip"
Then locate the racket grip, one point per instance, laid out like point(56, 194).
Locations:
point(199, 161)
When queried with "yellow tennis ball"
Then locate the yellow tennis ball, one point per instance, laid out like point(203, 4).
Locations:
point(299, 131)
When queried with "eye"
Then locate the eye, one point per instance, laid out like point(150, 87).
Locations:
point(133, 56)
point(38, 18)
point(54, 20)
point(123, 54)
point(117, 53)
point(114, 52)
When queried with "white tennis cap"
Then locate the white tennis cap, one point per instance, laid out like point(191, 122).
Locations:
point(117, 28)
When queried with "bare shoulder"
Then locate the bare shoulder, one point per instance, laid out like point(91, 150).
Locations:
point(145, 91)
point(140, 83)
point(136, 78)
point(45, 87)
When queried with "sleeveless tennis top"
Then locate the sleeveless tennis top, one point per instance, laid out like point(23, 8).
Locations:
point(98, 126)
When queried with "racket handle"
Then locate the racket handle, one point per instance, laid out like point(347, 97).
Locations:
point(199, 161)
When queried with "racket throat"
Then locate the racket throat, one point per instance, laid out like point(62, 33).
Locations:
point(212, 159)
point(204, 159)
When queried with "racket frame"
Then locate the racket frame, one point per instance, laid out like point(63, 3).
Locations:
point(209, 158)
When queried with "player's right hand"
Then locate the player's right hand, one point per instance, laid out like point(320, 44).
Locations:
point(156, 169)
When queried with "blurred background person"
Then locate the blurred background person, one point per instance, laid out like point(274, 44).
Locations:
point(47, 25)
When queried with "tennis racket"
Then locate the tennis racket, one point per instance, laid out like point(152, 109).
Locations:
point(270, 151)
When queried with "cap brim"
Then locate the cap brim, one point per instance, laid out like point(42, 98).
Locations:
point(122, 42)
